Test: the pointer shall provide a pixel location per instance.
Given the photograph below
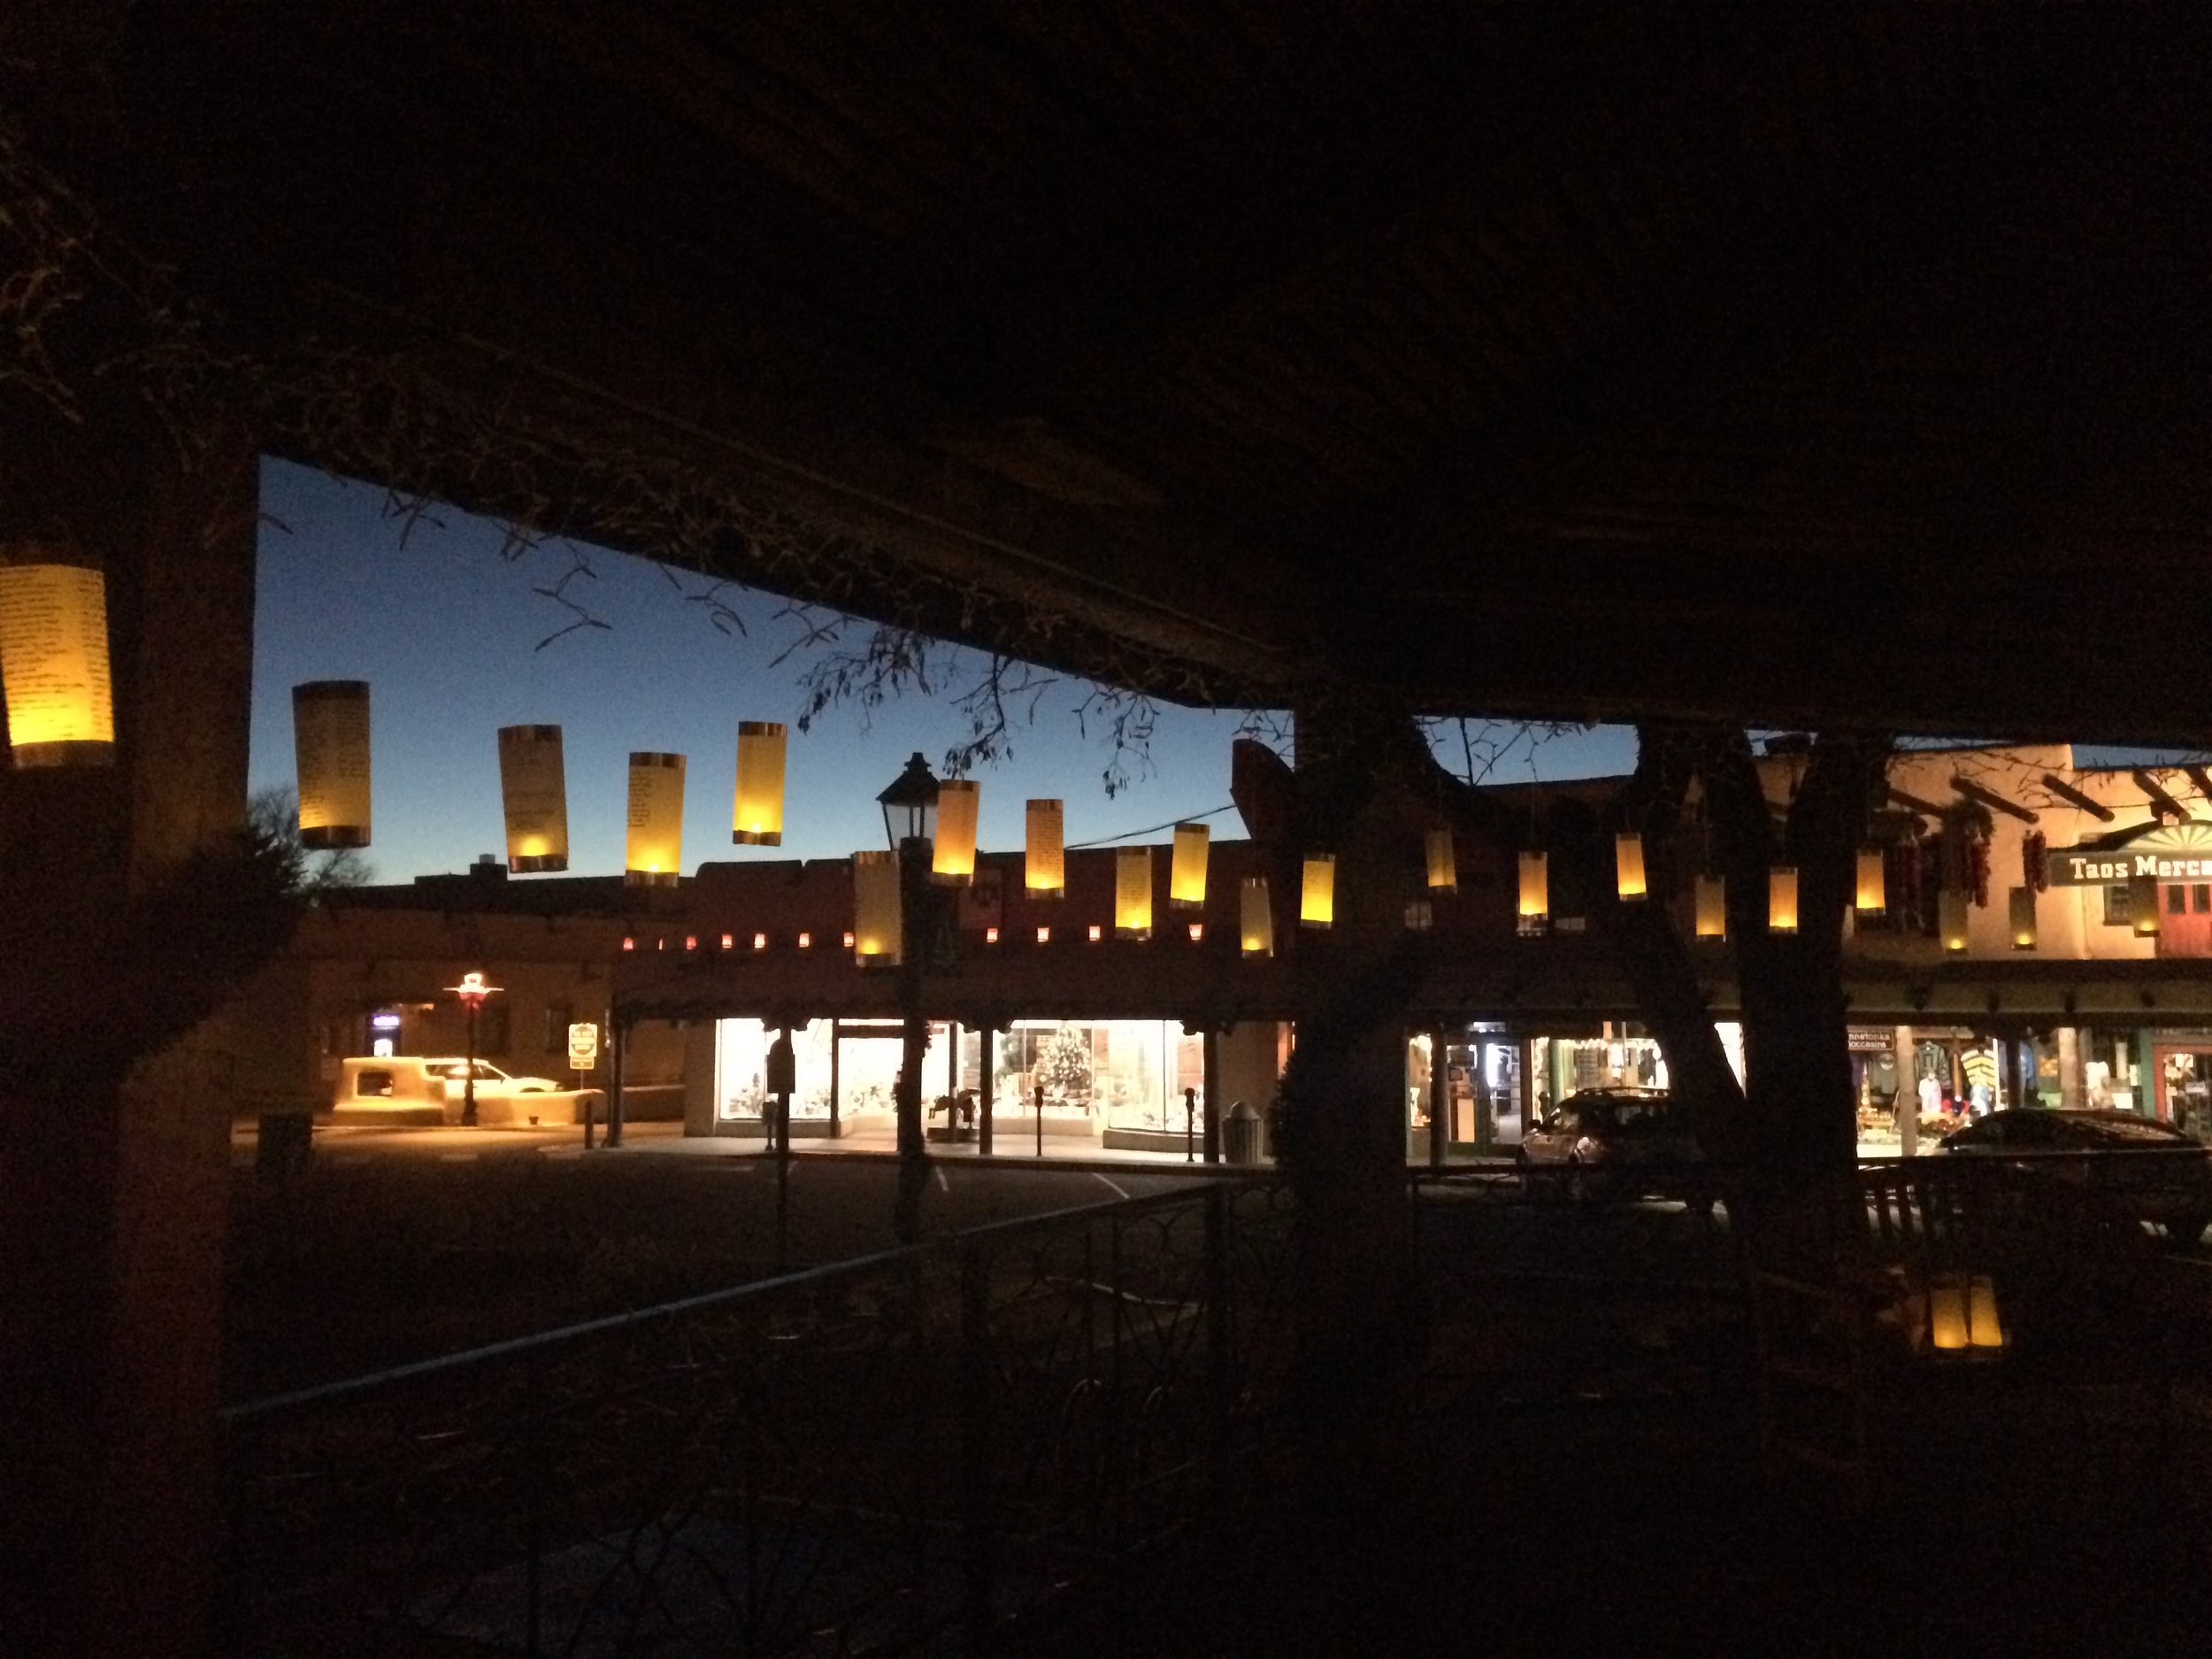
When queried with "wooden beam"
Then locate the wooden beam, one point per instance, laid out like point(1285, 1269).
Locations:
point(2159, 799)
point(2067, 792)
point(1990, 798)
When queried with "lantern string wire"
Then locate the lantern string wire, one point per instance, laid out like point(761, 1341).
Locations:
point(1188, 817)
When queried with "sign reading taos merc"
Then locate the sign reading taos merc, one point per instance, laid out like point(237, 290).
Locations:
point(2172, 852)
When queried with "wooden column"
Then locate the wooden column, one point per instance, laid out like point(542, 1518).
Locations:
point(1439, 1100)
point(128, 912)
point(837, 1056)
point(986, 1040)
point(1908, 1095)
point(2070, 1066)
point(1210, 1040)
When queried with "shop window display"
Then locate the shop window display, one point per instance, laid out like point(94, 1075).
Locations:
point(1104, 1074)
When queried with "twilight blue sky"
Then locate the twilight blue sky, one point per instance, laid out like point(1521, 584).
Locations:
point(446, 633)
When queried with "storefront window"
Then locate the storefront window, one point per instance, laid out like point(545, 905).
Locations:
point(741, 1068)
point(1115, 1073)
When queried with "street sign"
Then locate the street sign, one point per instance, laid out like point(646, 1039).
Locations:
point(583, 1046)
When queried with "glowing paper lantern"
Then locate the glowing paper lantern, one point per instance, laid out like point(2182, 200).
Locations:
point(2021, 903)
point(1256, 917)
point(2143, 890)
point(1187, 875)
point(1133, 893)
point(1712, 906)
point(1628, 865)
point(1782, 899)
point(876, 937)
point(959, 803)
point(655, 852)
point(1951, 919)
point(534, 796)
point(1962, 1314)
point(330, 741)
point(1873, 883)
point(1316, 892)
point(756, 809)
point(54, 662)
point(1442, 860)
point(1535, 887)
point(1045, 868)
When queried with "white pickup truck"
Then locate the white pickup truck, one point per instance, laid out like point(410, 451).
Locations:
point(419, 1089)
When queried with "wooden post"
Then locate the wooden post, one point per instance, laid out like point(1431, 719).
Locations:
point(1908, 1097)
point(1211, 1039)
point(2070, 1066)
point(987, 1040)
point(1440, 1099)
point(837, 1051)
point(115, 1174)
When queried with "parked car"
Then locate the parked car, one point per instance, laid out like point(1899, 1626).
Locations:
point(430, 1089)
point(2158, 1173)
point(1614, 1144)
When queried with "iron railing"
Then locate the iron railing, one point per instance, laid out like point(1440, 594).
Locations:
point(861, 1457)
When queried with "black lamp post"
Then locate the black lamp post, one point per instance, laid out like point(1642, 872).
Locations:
point(909, 823)
point(472, 991)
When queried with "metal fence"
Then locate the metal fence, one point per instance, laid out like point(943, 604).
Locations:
point(860, 1457)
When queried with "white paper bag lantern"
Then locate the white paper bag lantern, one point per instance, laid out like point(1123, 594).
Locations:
point(330, 741)
point(1187, 875)
point(1951, 919)
point(2021, 906)
point(1256, 917)
point(534, 796)
point(877, 935)
point(1045, 864)
point(1133, 893)
point(1712, 906)
point(959, 804)
point(655, 855)
point(1872, 894)
point(1442, 860)
point(54, 665)
point(1316, 891)
point(756, 808)
point(1628, 865)
point(1535, 896)
point(1782, 899)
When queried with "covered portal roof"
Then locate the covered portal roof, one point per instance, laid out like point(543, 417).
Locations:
point(1824, 365)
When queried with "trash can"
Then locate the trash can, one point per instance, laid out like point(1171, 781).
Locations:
point(287, 1142)
point(1241, 1134)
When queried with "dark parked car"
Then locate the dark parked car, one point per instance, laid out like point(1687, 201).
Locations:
point(2153, 1170)
point(1614, 1144)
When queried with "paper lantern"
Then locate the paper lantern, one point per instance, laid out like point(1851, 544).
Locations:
point(655, 852)
point(1316, 892)
point(959, 803)
point(1535, 887)
point(756, 809)
point(1628, 865)
point(2021, 903)
point(330, 741)
point(1442, 859)
point(1187, 875)
point(534, 796)
point(876, 937)
point(2143, 892)
point(54, 665)
point(1045, 868)
point(1256, 917)
point(1782, 899)
point(1951, 919)
point(1133, 893)
point(1712, 906)
point(1962, 1314)
point(1872, 892)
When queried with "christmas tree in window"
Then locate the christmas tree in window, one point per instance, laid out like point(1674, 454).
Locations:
point(1063, 1066)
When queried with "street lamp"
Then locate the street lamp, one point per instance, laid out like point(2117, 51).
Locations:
point(472, 991)
point(909, 823)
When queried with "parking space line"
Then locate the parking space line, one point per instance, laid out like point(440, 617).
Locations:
point(1110, 1186)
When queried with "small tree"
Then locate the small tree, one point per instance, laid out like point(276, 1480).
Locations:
point(273, 817)
point(1064, 1065)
